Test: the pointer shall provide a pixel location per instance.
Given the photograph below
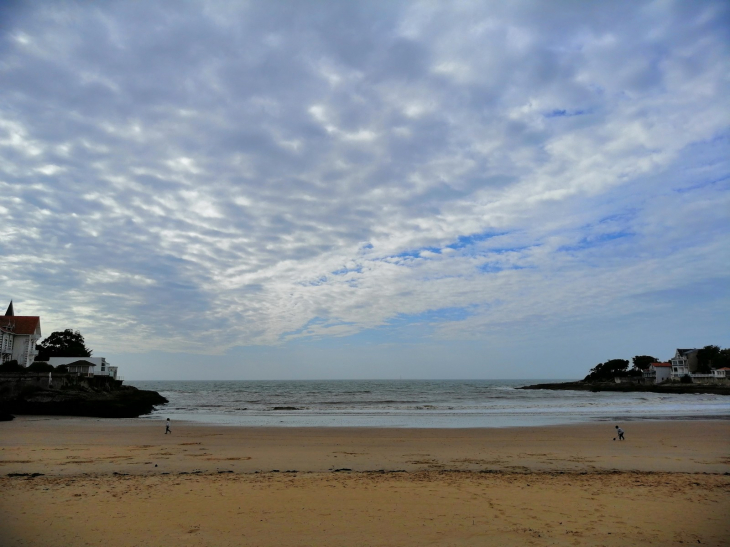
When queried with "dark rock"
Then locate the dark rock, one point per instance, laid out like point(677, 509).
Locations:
point(673, 387)
point(6, 417)
point(120, 402)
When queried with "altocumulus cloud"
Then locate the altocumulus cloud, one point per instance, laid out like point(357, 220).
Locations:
point(194, 176)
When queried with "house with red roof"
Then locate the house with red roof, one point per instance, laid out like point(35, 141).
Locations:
point(658, 373)
point(19, 335)
point(723, 372)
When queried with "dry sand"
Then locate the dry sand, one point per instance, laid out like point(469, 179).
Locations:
point(667, 484)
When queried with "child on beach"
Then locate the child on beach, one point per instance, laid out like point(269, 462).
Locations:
point(620, 433)
point(167, 427)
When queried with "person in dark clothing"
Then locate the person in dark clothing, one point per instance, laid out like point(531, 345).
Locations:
point(167, 427)
point(620, 433)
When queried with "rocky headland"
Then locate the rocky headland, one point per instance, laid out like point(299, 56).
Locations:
point(668, 387)
point(69, 396)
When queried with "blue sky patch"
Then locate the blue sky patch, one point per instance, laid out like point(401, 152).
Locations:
point(561, 113)
point(343, 271)
point(416, 253)
point(440, 315)
point(596, 241)
point(492, 267)
point(466, 241)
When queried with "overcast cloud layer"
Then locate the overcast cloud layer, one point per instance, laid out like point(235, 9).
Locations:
point(202, 176)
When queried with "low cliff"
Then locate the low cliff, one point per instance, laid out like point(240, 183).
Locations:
point(668, 387)
point(96, 397)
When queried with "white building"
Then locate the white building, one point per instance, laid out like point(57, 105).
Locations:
point(658, 372)
point(81, 368)
point(18, 337)
point(101, 367)
point(723, 372)
point(684, 362)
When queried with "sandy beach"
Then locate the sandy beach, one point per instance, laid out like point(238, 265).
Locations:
point(124, 483)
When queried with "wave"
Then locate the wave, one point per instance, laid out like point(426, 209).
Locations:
point(413, 403)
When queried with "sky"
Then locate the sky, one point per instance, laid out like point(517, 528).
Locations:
point(367, 189)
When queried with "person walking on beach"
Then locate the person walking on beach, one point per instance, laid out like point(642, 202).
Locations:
point(167, 427)
point(620, 433)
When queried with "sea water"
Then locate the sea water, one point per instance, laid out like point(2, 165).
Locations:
point(415, 403)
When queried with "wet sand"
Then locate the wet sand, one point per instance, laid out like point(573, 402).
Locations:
point(123, 482)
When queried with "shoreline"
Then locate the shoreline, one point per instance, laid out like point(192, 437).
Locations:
point(417, 404)
point(485, 422)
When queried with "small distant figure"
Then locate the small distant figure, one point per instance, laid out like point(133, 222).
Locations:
point(620, 433)
point(168, 430)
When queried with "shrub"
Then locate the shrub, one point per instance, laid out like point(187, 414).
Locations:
point(686, 379)
point(12, 366)
point(40, 366)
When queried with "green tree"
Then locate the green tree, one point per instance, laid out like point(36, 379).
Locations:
point(608, 371)
point(642, 362)
point(707, 359)
point(723, 359)
point(67, 343)
point(40, 366)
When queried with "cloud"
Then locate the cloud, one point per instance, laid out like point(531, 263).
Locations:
point(199, 176)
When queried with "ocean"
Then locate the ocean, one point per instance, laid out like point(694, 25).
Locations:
point(415, 403)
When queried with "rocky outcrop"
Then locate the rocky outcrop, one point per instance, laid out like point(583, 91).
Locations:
point(103, 401)
point(669, 387)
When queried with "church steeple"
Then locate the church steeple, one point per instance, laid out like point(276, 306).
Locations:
point(10, 312)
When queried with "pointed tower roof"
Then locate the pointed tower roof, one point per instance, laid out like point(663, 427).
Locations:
point(10, 312)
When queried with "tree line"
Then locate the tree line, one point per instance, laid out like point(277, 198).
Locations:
point(708, 358)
